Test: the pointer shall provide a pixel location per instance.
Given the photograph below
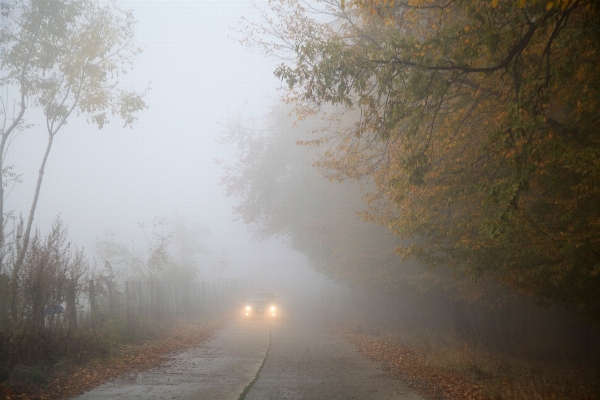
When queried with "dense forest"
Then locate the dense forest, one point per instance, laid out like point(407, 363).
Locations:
point(463, 138)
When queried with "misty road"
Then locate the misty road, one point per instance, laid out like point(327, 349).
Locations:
point(295, 357)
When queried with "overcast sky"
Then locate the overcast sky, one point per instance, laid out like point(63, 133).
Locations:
point(109, 180)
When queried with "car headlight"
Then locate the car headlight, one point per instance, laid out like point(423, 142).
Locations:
point(248, 308)
point(272, 308)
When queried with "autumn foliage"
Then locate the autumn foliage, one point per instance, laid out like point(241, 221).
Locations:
point(477, 121)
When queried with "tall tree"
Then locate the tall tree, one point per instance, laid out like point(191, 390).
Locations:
point(282, 195)
point(477, 121)
point(64, 58)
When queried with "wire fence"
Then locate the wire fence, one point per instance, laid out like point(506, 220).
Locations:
point(135, 301)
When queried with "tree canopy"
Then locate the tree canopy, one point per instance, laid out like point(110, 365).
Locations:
point(477, 121)
point(282, 195)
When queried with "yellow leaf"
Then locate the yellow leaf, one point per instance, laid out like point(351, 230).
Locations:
point(494, 3)
point(549, 6)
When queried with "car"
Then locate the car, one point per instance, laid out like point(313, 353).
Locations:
point(261, 305)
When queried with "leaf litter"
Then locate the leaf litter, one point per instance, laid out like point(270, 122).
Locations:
point(413, 366)
point(405, 364)
point(124, 360)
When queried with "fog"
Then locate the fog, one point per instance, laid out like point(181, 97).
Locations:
point(165, 165)
point(396, 184)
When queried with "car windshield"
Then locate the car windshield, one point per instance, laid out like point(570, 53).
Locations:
point(262, 297)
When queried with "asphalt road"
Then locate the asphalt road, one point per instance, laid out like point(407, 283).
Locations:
point(294, 357)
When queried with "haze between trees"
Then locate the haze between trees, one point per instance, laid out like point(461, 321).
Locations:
point(475, 121)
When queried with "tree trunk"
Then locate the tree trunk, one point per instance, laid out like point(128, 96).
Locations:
point(580, 337)
point(475, 321)
point(27, 234)
point(460, 322)
point(503, 317)
point(7, 132)
point(71, 305)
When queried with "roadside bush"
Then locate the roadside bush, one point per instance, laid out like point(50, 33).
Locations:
point(57, 311)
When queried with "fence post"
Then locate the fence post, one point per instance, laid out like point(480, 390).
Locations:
point(71, 305)
point(111, 306)
point(140, 299)
point(128, 305)
point(92, 299)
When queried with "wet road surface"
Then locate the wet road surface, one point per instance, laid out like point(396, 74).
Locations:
point(290, 358)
